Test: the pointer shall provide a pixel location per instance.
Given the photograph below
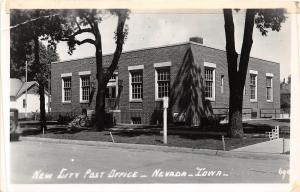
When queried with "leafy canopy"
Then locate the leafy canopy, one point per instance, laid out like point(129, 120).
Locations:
point(269, 19)
point(80, 21)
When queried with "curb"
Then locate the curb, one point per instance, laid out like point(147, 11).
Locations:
point(238, 154)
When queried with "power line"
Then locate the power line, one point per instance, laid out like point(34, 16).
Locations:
point(31, 20)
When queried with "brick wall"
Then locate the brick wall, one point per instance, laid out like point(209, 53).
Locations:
point(186, 70)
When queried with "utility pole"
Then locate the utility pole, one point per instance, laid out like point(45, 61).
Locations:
point(49, 89)
point(26, 89)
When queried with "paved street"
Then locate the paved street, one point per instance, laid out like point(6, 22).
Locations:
point(42, 162)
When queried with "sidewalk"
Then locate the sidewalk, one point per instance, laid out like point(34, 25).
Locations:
point(273, 146)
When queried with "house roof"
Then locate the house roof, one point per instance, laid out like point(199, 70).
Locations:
point(156, 47)
point(17, 87)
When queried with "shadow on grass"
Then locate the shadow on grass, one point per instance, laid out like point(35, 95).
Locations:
point(190, 136)
point(282, 120)
point(31, 132)
point(188, 133)
point(202, 136)
point(263, 128)
point(53, 130)
point(257, 128)
point(135, 133)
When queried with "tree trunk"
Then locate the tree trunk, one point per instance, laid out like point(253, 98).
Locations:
point(235, 128)
point(100, 106)
point(236, 112)
point(100, 97)
point(237, 73)
point(41, 83)
point(103, 76)
point(42, 106)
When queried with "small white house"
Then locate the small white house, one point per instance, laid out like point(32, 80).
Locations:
point(19, 98)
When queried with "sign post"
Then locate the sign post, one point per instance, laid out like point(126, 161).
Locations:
point(166, 105)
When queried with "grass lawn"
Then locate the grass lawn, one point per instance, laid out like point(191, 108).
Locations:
point(179, 140)
point(191, 137)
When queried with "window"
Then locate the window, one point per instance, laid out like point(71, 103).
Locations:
point(162, 79)
point(24, 103)
point(253, 86)
point(113, 77)
point(113, 92)
point(163, 82)
point(269, 88)
point(110, 92)
point(136, 85)
point(136, 120)
point(222, 83)
point(209, 76)
point(67, 92)
point(85, 88)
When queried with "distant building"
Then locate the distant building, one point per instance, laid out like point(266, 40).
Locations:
point(18, 97)
point(192, 75)
point(285, 95)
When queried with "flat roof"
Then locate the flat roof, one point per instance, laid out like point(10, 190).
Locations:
point(157, 47)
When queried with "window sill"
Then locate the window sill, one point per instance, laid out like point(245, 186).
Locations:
point(115, 110)
point(136, 101)
point(66, 102)
point(84, 102)
point(159, 99)
point(270, 101)
point(135, 109)
point(253, 100)
point(209, 99)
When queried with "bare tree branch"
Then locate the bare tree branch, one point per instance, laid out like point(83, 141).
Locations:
point(89, 21)
point(77, 24)
point(91, 41)
point(247, 43)
point(120, 38)
point(86, 30)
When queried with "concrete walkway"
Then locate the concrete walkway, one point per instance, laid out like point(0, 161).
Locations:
point(273, 146)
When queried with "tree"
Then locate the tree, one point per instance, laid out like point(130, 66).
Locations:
point(264, 19)
point(87, 21)
point(27, 27)
point(285, 95)
point(17, 65)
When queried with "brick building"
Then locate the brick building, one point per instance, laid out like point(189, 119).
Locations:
point(194, 77)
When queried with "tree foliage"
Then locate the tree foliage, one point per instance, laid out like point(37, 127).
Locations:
point(46, 54)
point(28, 27)
point(269, 19)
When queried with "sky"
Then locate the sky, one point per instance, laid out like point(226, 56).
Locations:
point(150, 29)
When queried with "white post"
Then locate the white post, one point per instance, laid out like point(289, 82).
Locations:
point(223, 142)
point(112, 138)
point(166, 105)
point(26, 89)
point(283, 147)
